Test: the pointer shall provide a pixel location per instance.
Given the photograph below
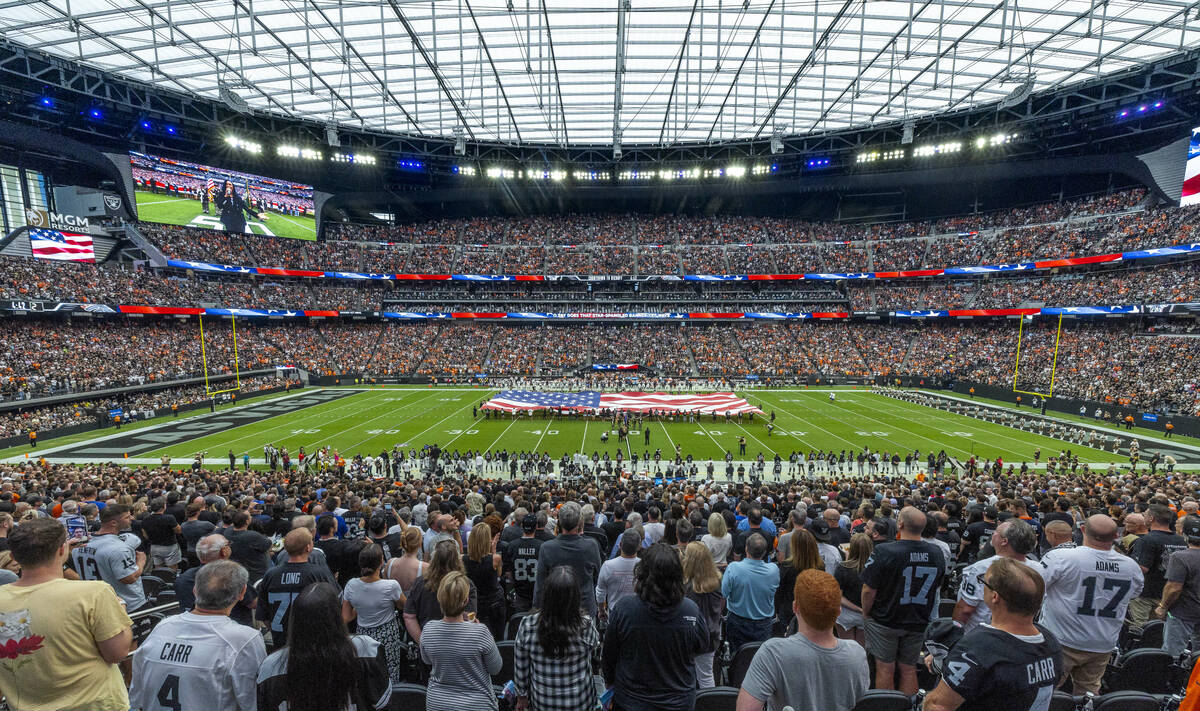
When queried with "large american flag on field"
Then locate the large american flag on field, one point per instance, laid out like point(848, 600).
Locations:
point(720, 403)
point(62, 246)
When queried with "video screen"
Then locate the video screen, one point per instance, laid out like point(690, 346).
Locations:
point(177, 192)
point(1191, 174)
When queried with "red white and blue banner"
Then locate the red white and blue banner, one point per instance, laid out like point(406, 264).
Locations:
point(614, 366)
point(593, 400)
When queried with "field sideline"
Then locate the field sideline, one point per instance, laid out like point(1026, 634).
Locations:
point(371, 421)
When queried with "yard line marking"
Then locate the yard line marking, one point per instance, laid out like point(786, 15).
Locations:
point(583, 442)
point(544, 430)
point(788, 412)
point(384, 403)
point(499, 436)
point(412, 439)
point(943, 444)
point(296, 423)
point(812, 423)
point(668, 434)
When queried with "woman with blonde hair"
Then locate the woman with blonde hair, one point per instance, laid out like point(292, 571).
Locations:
point(801, 554)
point(483, 567)
point(405, 569)
point(717, 540)
point(702, 585)
point(422, 604)
point(462, 653)
point(848, 574)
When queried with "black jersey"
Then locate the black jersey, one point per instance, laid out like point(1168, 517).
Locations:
point(280, 586)
point(521, 558)
point(906, 576)
point(976, 536)
point(995, 670)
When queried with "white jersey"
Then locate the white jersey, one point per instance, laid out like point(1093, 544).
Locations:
point(111, 557)
point(971, 589)
point(1087, 593)
point(201, 662)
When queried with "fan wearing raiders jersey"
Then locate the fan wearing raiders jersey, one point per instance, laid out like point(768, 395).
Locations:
point(201, 659)
point(323, 667)
point(283, 583)
point(520, 563)
point(113, 557)
point(1088, 590)
point(900, 584)
point(1013, 539)
point(1010, 664)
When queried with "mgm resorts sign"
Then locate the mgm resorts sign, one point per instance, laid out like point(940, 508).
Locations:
point(44, 219)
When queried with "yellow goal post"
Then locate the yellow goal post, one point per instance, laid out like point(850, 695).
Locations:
point(1053, 364)
point(237, 375)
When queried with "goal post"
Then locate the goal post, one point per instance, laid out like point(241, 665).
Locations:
point(237, 375)
point(1053, 362)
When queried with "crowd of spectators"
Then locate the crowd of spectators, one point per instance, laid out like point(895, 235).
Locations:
point(658, 244)
point(679, 575)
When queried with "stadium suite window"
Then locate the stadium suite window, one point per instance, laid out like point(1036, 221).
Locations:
point(12, 197)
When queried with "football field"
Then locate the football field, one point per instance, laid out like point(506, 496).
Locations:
point(369, 421)
point(174, 210)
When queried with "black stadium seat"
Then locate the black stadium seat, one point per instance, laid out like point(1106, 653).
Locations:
point(1152, 636)
point(1146, 670)
point(1062, 701)
point(718, 698)
point(884, 700)
point(514, 622)
point(407, 697)
point(740, 663)
point(152, 586)
point(508, 650)
point(1127, 701)
point(165, 574)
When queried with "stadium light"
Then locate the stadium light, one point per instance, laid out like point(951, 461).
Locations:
point(877, 156)
point(590, 175)
point(764, 168)
point(359, 158)
point(468, 170)
point(47, 102)
point(1140, 109)
point(934, 149)
point(243, 145)
point(286, 151)
point(497, 173)
point(413, 166)
point(817, 163)
point(998, 139)
point(171, 130)
point(735, 171)
point(146, 126)
point(635, 175)
point(96, 114)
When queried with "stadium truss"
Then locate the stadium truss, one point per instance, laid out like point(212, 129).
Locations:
point(569, 73)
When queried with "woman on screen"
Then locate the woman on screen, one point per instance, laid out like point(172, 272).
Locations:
point(234, 209)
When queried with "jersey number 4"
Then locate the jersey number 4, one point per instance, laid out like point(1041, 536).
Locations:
point(168, 693)
point(1089, 596)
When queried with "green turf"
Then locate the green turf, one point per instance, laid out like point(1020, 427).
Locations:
point(374, 420)
point(1011, 404)
point(45, 444)
point(185, 211)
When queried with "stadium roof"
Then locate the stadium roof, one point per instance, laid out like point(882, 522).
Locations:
point(580, 72)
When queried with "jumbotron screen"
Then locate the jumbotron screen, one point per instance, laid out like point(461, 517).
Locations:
point(1191, 173)
point(177, 192)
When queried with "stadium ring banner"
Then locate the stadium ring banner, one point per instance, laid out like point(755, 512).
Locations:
point(1156, 253)
point(30, 306)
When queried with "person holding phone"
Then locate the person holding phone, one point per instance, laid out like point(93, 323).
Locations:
point(234, 209)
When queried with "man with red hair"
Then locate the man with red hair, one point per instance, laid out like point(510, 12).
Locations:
point(812, 669)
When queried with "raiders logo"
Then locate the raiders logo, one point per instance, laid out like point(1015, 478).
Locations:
point(112, 202)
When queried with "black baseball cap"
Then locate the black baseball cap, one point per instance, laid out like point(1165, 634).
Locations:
point(529, 523)
point(1191, 526)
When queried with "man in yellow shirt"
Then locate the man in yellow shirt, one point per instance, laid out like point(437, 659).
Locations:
point(60, 640)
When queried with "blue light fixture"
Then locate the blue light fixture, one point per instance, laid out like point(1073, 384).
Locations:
point(171, 130)
point(96, 113)
point(47, 102)
point(145, 125)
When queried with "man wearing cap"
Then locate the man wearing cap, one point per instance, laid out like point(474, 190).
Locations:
point(1181, 595)
point(977, 533)
point(830, 554)
point(520, 559)
point(1153, 552)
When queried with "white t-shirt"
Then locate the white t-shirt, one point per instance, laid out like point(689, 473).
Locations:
point(1087, 593)
point(197, 661)
point(374, 602)
point(971, 590)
